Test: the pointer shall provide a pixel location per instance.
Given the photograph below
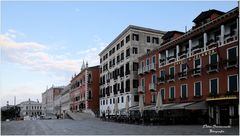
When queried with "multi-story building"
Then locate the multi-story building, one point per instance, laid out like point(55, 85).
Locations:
point(48, 97)
point(197, 68)
point(65, 100)
point(30, 108)
point(119, 65)
point(84, 93)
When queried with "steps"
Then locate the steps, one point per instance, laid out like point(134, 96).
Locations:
point(79, 115)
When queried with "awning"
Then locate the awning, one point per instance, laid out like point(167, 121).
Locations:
point(177, 106)
point(197, 106)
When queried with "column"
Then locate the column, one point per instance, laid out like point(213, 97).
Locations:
point(205, 41)
point(166, 56)
point(231, 113)
point(237, 26)
point(222, 35)
point(190, 47)
point(217, 115)
point(177, 51)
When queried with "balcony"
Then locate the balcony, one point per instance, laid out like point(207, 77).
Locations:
point(197, 49)
point(146, 69)
point(233, 62)
point(141, 89)
point(171, 78)
point(213, 67)
point(196, 71)
point(135, 91)
point(152, 67)
point(212, 43)
point(162, 62)
point(232, 36)
point(183, 54)
point(140, 71)
point(161, 80)
point(152, 87)
point(121, 90)
point(182, 75)
point(171, 58)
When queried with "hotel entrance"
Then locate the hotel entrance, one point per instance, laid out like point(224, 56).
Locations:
point(224, 115)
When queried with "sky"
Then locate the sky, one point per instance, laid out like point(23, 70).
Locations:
point(44, 43)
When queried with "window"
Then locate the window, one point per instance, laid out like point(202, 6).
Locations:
point(162, 76)
point(122, 56)
point(106, 102)
point(118, 58)
point(232, 56)
point(127, 38)
point(213, 61)
point(142, 82)
point(127, 85)
point(184, 91)
point(197, 88)
point(134, 50)
point(122, 87)
point(135, 83)
point(154, 78)
point(153, 59)
point(122, 43)
point(89, 94)
point(155, 40)
point(110, 101)
point(172, 92)
point(118, 46)
point(197, 66)
point(135, 66)
point(136, 98)
point(183, 70)
point(153, 98)
point(103, 102)
point(232, 83)
point(114, 100)
point(135, 37)
point(147, 63)
point(118, 99)
point(148, 51)
point(162, 90)
point(122, 99)
point(127, 69)
point(213, 88)
point(148, 39)
point(128, 52)
point(171, 73)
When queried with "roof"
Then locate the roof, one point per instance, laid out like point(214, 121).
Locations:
point(206, 14)
point(30, 102)
point(89, 68)
point(126, 30)
point(171, 33)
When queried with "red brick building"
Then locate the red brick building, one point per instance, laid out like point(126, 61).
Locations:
point(84, 93)
point(197, 68)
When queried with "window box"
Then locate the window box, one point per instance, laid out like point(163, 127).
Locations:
point(196, 72)
point(213, 95)
point(197, 49)
point(182, 75)
point(230, 93)
point(171, 58)
point(214, 67)
point(182, 54)
point(161, 79)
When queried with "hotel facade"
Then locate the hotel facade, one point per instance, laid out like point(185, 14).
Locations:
point(119, 65)
point(197, 70)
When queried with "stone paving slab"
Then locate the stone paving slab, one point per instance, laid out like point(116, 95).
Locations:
point(97, 127)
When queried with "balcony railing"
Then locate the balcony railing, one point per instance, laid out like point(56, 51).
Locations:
point(171, 58)
point(196, 71)
point(162, 62)
point(152, 87)
point(141, 89)
point(212, 43)
point(233, 62)
point(232, 36)
point(153, 67)
point(140, 71)
point(182, 54)
point(197, 49)
point(161, 79)
point(146, 69)
point(182, 75)
point(171, 78)
point(213, 67)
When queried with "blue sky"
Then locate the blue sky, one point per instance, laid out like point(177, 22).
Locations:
point(44, 43)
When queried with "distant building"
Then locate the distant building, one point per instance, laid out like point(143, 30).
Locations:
point(65, 100)
point(50, 100)
point(84, 93)
point(30, 108)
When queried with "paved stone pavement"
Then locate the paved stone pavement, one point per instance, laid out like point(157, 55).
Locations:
point(97, 127)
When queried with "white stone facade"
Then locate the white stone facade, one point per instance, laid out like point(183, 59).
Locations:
point(30, 108)
point(136, 41)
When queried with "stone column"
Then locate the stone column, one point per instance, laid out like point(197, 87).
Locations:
point(166, 56)
point(222, 34)
point(190, 48)
point(177, 51)
point(205, 41)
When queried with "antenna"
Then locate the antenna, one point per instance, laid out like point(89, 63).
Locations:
point(185, 29)
point(14, 100)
